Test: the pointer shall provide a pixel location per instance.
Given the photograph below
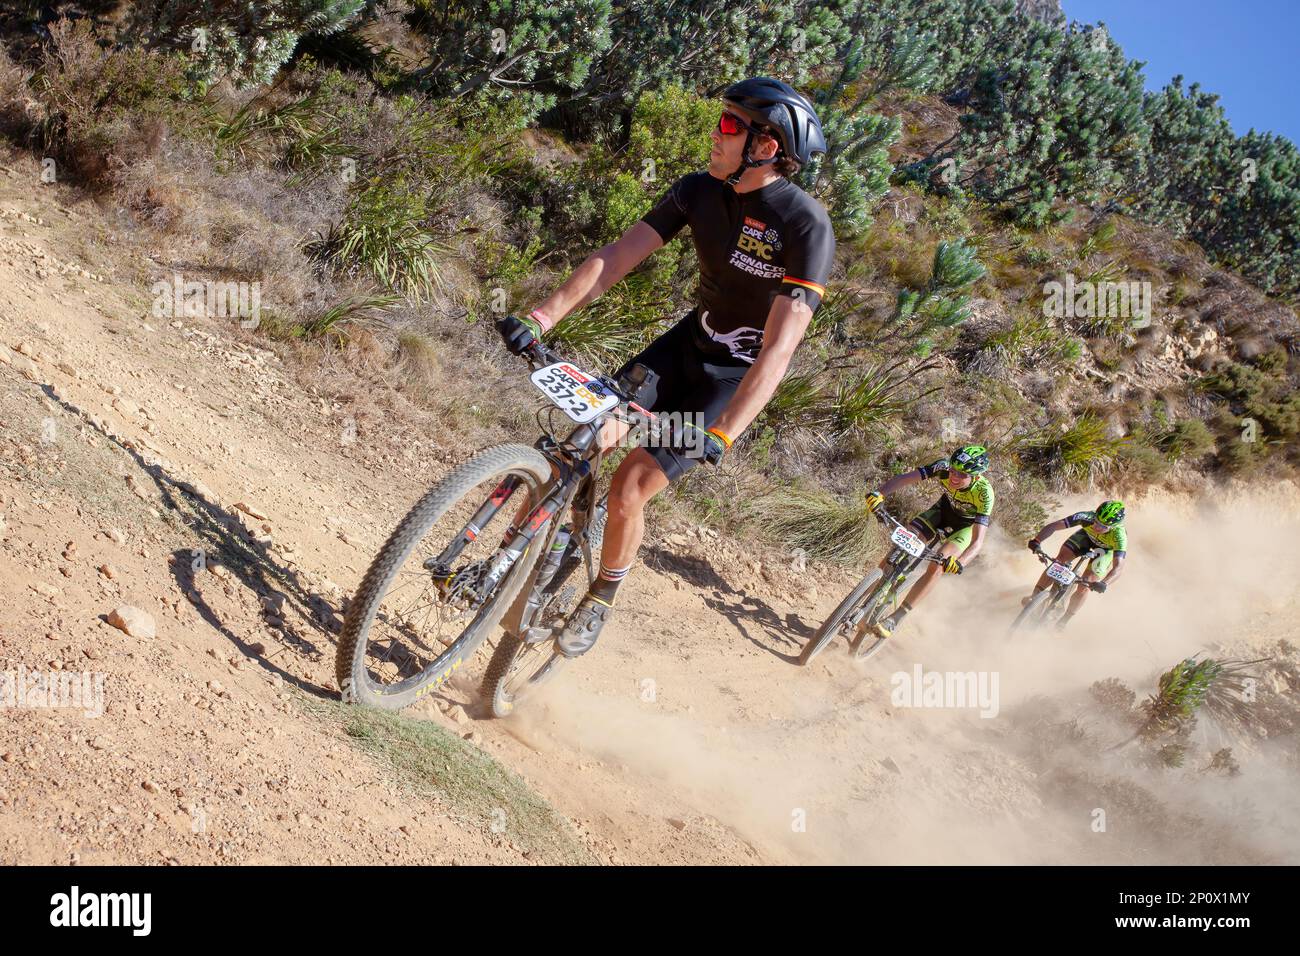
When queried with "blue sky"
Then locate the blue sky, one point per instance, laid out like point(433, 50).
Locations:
point(1246, 51)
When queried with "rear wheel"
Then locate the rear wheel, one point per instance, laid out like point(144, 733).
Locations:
point(519, 667)
point(414, 622)
point(516, 670)
point(838, 622)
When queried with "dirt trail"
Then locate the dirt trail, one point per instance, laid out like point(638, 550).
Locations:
point(696, 740)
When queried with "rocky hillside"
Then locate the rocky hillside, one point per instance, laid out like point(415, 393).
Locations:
point(183, 513)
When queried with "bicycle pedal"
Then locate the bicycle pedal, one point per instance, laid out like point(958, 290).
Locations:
point(538, 635)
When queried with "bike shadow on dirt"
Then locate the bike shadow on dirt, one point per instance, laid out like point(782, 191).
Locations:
point(777, 635)
point(221, 540)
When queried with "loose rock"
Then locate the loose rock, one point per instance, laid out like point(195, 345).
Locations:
point(133, 621)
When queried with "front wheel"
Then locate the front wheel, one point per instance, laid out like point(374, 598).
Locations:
point(1034, 614)
point(837, 623)
point(867, 643)
point(427, 602)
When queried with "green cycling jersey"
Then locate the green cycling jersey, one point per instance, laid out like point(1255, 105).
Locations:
point(1113, 540)
point(974, 502)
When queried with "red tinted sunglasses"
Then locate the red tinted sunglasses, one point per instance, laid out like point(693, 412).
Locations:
point(729, 124)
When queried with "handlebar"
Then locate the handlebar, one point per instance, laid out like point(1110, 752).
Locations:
point(1047, 559)
point(539, 355)
point(885, 518)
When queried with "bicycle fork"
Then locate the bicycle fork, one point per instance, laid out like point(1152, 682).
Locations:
point(514, 542)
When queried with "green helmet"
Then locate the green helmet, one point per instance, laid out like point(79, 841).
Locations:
point(1110, 513)
point(969, 459)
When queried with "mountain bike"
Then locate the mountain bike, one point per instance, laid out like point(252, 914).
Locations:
point(488, 545)
point(877, 594)
point(1045, 606)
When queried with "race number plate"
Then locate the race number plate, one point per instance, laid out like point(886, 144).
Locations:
point(1059, 572)
point(908, 542)
point(578, 394)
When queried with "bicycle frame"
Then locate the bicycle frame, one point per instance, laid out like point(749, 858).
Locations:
point(575, 461)
point(902, 562)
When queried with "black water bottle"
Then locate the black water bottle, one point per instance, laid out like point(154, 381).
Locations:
point(551, 563)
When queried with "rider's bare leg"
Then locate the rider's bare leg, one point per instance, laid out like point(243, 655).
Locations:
point(638, 479)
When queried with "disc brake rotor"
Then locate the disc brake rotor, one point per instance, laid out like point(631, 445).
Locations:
point(460, 588)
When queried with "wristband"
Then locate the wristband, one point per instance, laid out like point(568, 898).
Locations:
point(541, 317)
point(726, 439)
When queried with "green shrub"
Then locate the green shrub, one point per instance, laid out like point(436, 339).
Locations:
point(1081, 451)
point(669, 138)
point(800, 399)
point(1036, 256)
point(525, 52)
point(874, 399)
point(620, 323)
point(825, 527)
point(1189, 440)
point(923, 317)
point(1156, 444)
point(105, 110)
point(1233, 451)
point(1145, 461)
point(243, 42)
point(1032, 342)
point(384, 233)
point(298, 132)
point(354, 309)
point(1261, 392)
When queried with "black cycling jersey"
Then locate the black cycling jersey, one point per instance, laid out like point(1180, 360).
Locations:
point(752, 247)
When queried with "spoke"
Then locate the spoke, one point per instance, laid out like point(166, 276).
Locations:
point(410, 612)
point(413, 577)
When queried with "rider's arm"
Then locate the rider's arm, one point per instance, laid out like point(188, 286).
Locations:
point(601, 270)
point(977, 532)
point(899, 482)
point(1050, 529)
point(1116, 570)
point(786, 322)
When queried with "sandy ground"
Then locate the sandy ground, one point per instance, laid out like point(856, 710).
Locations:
point(133, 448)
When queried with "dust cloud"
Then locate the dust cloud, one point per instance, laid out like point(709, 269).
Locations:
point(817, 765)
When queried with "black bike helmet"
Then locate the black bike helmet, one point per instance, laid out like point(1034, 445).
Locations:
point(777, 106)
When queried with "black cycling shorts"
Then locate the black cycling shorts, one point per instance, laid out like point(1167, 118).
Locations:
point(691, 379)
point(942, 515)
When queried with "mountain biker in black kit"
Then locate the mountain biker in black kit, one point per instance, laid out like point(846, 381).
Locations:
point(765, 251)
